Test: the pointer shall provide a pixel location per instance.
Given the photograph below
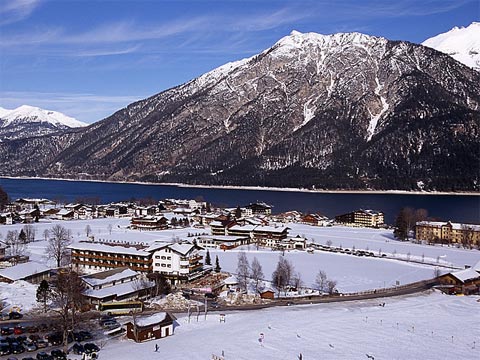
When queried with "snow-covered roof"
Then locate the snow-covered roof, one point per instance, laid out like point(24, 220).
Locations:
point(157, 246)
point(231, 280)
point(272, 229)
point(467, 274)
point(22, 271)
point(115, 290)
point(216, 223)
point(245, 228)
point(182, 248)
point(224, 238)
point(151, 320)
point(64, 212)
point(109, 276)
point(476, 267)
point(455, 226)
point(116, 249)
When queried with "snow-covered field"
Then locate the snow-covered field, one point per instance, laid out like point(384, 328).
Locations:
point(433, 326)
point(351, 273)
point(427, 326)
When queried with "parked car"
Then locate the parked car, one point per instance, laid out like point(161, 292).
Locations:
point(58, 354)
point(30, 346)
point(110, 324)
point(15, 315)
point(17, 348)
point(5, 330)
point(5, 349)
point(87, 335)
point(18, 330)
point(42, 355)
point(90, 348)
point(77, 349)
point(41, 344)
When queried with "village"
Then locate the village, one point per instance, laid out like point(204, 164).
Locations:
point(135, 268)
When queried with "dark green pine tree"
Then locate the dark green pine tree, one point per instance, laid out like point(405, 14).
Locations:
point(402, 225)
point(43, 294)
point(208, 260)
point(22, 236)
point(217, 265)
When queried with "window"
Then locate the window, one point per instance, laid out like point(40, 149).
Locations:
point(169, 265)
point(169, 258)
point(157, 264)
point(163, 265)
point(163, 257)
point(157, 257)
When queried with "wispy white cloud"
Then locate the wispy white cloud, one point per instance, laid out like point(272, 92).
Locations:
point(106, 52)
point(84, 107)
point(12, 11)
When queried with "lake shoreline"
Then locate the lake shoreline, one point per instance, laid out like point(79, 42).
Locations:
point(256, 188)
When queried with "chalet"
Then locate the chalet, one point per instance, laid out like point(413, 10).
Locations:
point(112, 211)
point(186, 211)
point(287, 217)
point(50, 213)
point(264, 233)
point(222, 226)
point(65, 214)
point(179, 262)
point(315, 220)
point(448, 232)
point(465, 281)
point(118, 284)
point(260, 208)
point(150, 327)
point(28, 215)
point(31, 271)
point(295, 243)
point(361, 218)
point(85, 213)
point(29, 203)
point(149, 223)
point(224, 242)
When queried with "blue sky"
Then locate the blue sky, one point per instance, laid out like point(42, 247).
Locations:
point(91, 58)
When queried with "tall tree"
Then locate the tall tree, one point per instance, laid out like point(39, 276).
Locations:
point(30, 232)
point(88, 230)
point(257, 273)
point(22, 236)
point(321, 281)
point(57, 247)
point(403, 223)
point(15, 246)
point(282, 274)
point(238, 213)
point(3, 198)
point(43, 294)
point(208, 260)
point(217, 265)
point(162, 286)
point(67, 299)
point(243, 271)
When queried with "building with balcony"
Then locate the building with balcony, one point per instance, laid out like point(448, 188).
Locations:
point(448, 233)
point(361, 218)
point(94, 256)
point(179, 262)
point(149, 223)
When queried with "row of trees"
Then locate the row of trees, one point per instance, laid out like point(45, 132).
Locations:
point(406, 220)
point(208, 261)
point(284, 276)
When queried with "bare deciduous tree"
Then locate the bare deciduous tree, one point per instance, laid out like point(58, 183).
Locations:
point(321, 280)
point(243, 271)
point(257, 273)
point(29, 232)
point(331, 286)
point(15, 246)
point(282, 275)
point(67, 298)
point(58, 243)
point(88, 230)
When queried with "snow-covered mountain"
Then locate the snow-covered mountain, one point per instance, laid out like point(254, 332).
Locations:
point(462, 43)
point(340, 111)
point(27, 121)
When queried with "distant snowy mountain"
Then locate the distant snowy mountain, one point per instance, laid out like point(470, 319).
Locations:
point(461, 43)
point(339, 111)
point(26, 121)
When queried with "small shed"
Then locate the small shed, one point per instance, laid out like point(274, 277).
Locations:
point(31, 271)
point(151, 327)
point(267, 294)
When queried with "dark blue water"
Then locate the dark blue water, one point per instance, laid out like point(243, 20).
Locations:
point(458, 208)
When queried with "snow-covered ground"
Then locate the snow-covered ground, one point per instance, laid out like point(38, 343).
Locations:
point(352, 273)
point(433, 326)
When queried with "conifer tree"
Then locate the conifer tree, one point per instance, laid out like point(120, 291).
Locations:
point(217, 265)
point(208, 260)
point(43, 294)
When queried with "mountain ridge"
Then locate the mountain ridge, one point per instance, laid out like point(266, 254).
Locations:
point(338, 111)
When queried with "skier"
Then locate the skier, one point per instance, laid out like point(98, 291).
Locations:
point(156, 347)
